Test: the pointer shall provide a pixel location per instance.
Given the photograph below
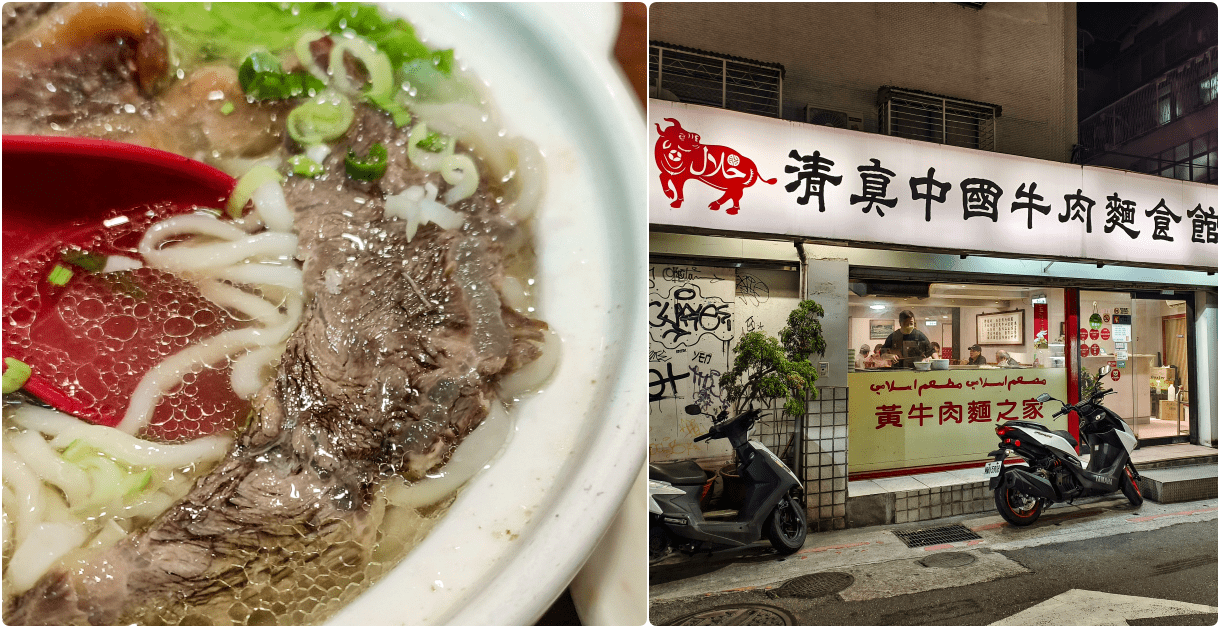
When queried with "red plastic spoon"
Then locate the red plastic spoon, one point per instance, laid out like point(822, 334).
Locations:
point(89, 341)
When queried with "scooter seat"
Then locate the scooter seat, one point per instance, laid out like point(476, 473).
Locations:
point(1067, 436)
point(683, 473)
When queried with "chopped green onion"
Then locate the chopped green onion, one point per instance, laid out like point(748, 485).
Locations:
point(370, 168)
point(16, 374)
point(89, 261)
point(59, 275)
point(434, 142)
point(227, 108)
point(303, 166)
point(376, 63)
point(246, 186)
point(76, 451)
point(137, 482)
point(262, 78)
point(401, 116)
point(323, 119)
point(305, 55)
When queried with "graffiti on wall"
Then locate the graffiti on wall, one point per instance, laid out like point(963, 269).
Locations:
point(690, 317)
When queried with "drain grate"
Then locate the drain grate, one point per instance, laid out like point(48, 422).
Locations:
point(815, 585)
point(924, 537)
point(947, 560)
point(739, 615)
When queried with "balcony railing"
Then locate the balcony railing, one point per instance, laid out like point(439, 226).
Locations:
point(716, 81)
point(1175, 94)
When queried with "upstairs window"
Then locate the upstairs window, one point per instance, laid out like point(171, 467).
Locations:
point(929, 117)
point(707, 78)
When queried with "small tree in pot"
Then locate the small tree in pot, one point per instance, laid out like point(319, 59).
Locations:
point(767, 368)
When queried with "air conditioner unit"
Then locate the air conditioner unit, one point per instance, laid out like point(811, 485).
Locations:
point(832, 118)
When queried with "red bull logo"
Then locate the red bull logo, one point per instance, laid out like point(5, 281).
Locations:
point(681, 157)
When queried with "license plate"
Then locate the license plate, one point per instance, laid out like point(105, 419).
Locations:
point(992, 469)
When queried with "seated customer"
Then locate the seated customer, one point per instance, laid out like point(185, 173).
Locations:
point(976, 356)
point(1004, 360)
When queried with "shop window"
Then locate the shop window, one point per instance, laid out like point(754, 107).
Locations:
point(707, 78)
point(933, 118)
point(903, 416)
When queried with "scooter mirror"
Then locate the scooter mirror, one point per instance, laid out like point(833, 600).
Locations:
point(1043, 398)
point(694, 409)
point(1103, 371)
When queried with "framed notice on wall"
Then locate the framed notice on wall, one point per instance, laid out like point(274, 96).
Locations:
point(1001, 328)
point(880, 330)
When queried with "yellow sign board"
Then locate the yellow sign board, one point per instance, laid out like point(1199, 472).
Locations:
point(904, 419)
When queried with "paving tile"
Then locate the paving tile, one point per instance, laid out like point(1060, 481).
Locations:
point(904, 483)
point(864, 487)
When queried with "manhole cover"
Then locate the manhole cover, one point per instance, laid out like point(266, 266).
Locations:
point(924, 537)
point(815, 585)
point(739, 615)
point(948, 559)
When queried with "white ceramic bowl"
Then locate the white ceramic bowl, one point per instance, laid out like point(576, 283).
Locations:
point(519, 532)
point(923, 366)
point(940, 365)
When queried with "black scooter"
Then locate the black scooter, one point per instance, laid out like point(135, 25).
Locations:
point(772, 502)
point(1054, 472)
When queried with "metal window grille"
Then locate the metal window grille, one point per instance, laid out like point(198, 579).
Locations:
point(715, 80)
point(1177, 93)
point(931, 118)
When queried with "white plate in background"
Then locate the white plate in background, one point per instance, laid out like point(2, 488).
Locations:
point(522, 529)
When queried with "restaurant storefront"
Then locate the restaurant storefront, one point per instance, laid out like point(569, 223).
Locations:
point(1051, 270)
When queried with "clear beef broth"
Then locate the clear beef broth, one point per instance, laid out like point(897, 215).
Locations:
point(395, 362)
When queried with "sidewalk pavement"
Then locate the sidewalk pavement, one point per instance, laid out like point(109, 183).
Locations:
point(929, 496)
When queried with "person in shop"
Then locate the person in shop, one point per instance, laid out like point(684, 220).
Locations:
point(976, 356)
point(907, 343)
point(880, 358)
point(863, 357)
point(1002, 359)
point(936, 350)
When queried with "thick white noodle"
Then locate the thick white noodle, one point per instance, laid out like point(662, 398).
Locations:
point(164, 376)
point(288, 277)
point(246, 376)
point(460, 172)
point(249, 306)
point(28, 507)
point(43, 547)
point(530, 176)
point(191, 224)
point(186, 258)
point(531, 376)
point(271, 205)
point(480, 447)
point(122, 447)
point(43, 461)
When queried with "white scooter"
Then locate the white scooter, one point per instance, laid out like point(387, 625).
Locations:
point(1054, 472)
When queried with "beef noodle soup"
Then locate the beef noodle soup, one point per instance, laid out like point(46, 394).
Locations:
point(335, 350)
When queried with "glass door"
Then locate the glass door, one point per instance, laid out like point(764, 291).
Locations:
point(1144, 342)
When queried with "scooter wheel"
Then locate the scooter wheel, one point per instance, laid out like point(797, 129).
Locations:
point(1131, 489)
point(1017, 508)
point(659, 545)
point(786, 526)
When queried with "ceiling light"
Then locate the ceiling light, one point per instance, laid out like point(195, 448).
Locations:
point(876, 307)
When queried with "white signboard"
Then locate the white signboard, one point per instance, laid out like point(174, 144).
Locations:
point(1122, 333)
point(726, 171)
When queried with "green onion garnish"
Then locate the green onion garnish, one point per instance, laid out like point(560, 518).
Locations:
point(262, 78)
point(59, 275)
point(371, 168)
point(434, 142)
point(246, 186)
point(88, 261)
point(401, 116)
point(227, 108)
point(303, 166)
point(322, 119)
point(16, 374)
